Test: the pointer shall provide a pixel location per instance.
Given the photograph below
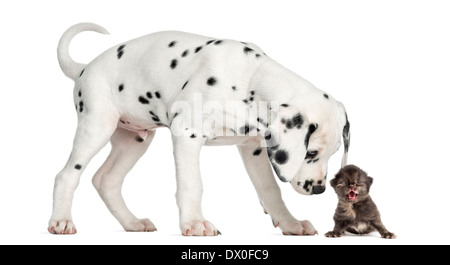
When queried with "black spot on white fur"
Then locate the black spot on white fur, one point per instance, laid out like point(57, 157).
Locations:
point(143, 100)
point(78, 166)
point(185, 84)
point(308, 184)
point(120, 51)
point(281, 157)
point(248, 50)
point(311, 129)
point(246, 129)
point(198, 49)
point(295, 122)
point(173, 63)
point(211, 81)
point(250, 99)
point(121, 86)
point(154, 116)
point(312, 161)
point(268, 135)
point(257, 152)
point(172, 44)
point(262, 122)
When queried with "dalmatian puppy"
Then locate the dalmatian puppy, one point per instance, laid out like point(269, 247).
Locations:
point(207, 92)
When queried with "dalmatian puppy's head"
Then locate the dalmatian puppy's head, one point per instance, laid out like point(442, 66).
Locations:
point(302, 139)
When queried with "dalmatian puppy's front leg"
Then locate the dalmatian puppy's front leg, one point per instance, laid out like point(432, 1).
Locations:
point(186, 150)
point(256, 163)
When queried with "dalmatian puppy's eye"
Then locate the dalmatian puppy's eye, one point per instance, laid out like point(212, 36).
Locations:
point(311, 154)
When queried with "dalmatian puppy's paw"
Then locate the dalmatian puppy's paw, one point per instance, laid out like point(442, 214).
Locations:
point(61, 227)
point(199, 228)
point(140, 225)
point(309, 228)
point(296, 227)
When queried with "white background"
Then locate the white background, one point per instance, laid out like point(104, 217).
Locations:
point(387, 61)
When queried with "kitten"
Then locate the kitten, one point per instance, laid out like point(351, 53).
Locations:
point(355, 212)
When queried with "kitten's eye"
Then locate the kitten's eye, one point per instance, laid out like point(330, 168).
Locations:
point(343, 183)
point(311, 154)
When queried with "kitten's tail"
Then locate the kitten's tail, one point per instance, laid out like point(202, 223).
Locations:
point(71, 68)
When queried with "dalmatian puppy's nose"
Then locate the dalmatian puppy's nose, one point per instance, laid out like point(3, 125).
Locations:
point(318, 189)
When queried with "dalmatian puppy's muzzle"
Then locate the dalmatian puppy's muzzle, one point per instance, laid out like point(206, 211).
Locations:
point(207, 91)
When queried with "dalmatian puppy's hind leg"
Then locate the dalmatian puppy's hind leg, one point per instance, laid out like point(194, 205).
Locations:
point(256, 163)
point(127, 148)
point(96, 124)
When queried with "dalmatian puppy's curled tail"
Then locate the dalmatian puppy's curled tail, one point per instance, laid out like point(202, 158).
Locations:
point(71, 68)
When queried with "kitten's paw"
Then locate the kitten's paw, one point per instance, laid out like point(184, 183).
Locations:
point(333, 234)
point(389, 235)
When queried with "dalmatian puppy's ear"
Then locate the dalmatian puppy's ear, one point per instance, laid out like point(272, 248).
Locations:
point(346, 138)
point(287, 141)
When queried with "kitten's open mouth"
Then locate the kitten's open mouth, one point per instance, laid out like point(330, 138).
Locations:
point(352, 196)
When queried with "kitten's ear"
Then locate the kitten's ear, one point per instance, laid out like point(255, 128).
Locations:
point(369, 182)
point(333, 182)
